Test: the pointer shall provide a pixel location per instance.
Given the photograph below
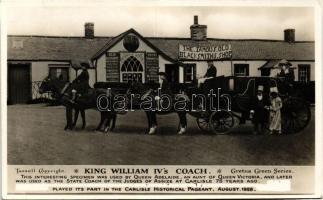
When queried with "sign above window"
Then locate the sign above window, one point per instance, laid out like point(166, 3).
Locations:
point(191, 52)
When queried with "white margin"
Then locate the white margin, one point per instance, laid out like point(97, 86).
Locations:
point(268, 3)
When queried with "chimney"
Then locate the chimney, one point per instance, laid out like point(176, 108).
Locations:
point(89, 30)
point(289, 35)
point(198, 32)
point(196, 19)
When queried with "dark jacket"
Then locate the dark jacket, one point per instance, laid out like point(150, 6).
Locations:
point(165, 88)
point(81, 83)
point(261, 114)
point(84, 76)
point(211, 72)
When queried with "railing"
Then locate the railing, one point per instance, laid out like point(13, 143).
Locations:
point(35, 91)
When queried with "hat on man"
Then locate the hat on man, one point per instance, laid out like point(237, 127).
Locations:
point(285, 63)
point(81, 64)
point(260, 88)
point(273, 90)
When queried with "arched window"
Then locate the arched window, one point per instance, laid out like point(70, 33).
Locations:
point(132, 70)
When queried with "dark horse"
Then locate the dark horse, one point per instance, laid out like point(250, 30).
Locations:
point(148, 102)
point(62, 92)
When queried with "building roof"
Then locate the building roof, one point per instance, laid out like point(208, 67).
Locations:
point(54, 48)
point(69, 48)
point(116, 39)
point(245, 49)
point(269, 64)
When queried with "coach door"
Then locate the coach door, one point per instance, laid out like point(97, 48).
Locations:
point(19, 89)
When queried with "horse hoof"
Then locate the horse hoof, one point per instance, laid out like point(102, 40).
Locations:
point(181, 131)
point(107, 129)
point(152, 130)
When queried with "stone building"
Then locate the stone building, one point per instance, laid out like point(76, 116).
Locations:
point(132, 56)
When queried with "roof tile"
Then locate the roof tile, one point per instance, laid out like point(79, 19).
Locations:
point(69, 48)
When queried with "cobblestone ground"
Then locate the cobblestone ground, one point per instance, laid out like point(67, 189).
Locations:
point(36, 136)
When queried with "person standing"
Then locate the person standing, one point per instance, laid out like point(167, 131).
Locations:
point(258, 111)
point(164, 89)
point(81, 83)
point(210, 73)
point(276, 105)
point(287, 76)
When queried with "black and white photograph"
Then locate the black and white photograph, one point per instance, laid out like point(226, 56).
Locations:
point(160, 84)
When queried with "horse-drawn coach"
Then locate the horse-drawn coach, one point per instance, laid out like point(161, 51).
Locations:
point(296, 112)
point(232, 102)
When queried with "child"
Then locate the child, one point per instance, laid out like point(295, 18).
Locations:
point(274, 111)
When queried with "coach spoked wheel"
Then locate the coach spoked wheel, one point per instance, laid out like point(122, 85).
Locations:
point(296, 115)
point(221, 122)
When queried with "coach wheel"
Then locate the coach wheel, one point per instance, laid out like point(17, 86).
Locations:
point(221, 122)
point(202, 123)
point(296, 115)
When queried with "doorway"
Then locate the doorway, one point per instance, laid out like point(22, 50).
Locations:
point(172, 71)
point(19, 83)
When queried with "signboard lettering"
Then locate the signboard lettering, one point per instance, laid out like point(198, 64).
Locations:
point(189, 52)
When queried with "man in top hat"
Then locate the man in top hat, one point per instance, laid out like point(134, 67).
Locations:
point(164, 89)
point(210, 73)
point(164, 84)
point(276, 105)
point(258, 112)
point(81, 82)
point(287, 74)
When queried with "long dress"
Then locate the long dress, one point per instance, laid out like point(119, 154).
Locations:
point(275, 114)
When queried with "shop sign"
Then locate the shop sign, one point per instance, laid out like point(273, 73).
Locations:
point(191, 52)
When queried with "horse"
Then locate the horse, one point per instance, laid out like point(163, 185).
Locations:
point(62, 90)
point(147, 93)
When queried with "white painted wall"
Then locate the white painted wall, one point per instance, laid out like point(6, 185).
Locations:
point(92, 77)
point(101, 69)
point(143, 47)
point(224, 67)
point(162, 62)
point(39, 70)
point(295, 64)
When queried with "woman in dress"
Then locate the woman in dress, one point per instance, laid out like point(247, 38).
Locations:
point(274, 111)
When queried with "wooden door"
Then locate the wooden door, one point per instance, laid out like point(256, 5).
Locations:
point(19, 83)
point(172, 72)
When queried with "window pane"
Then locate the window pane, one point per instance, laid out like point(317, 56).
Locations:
point(189, 72)
point(304, 73)
point(241, 69)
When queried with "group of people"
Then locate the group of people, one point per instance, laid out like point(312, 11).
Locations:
point(261, 105)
